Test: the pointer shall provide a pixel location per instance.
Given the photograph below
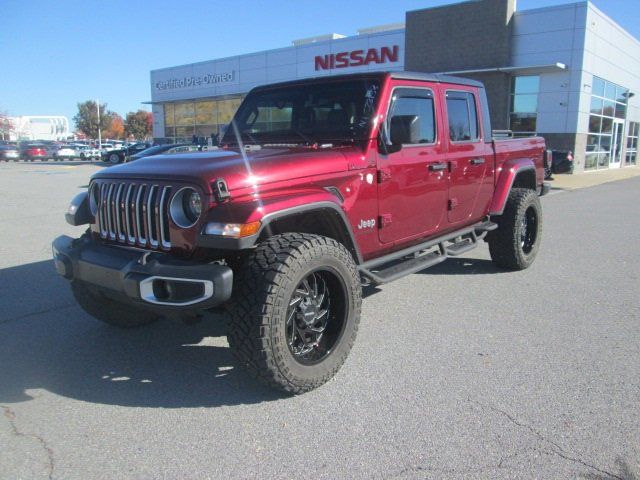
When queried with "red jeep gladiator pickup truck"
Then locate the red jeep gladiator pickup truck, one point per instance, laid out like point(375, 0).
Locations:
point(321, 186)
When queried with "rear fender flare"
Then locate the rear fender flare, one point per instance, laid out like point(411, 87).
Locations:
point(506, 178)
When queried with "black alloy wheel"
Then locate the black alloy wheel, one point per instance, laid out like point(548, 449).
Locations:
point(529, 230)
point(313, 324)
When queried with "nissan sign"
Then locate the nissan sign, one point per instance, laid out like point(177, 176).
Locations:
point(357, 58)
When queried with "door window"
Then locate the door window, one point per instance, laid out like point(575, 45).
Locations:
point(463, 117)
point(412, 113)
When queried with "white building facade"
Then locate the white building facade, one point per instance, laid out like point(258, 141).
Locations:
point(200, 98)
point(39, 127)
point(596, 96)
point(569, 73)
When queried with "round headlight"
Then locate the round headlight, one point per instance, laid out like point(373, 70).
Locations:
point(94, 199)
point(194, 206)
point(186, 207)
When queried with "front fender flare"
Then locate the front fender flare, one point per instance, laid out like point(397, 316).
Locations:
point(271, 210)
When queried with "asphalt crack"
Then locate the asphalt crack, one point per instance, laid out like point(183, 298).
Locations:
point(39, 312)
point(555, 448)
point(11, 417)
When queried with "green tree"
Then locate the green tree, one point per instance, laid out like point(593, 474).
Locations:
point(87, 118)
point(139, 124)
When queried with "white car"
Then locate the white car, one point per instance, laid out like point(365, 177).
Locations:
point(183, 149)
point(87, 153)
point(68, 152)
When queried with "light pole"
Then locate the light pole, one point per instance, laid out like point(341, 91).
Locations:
point(99, 133)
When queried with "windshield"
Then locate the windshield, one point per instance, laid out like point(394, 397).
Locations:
point(332, 112)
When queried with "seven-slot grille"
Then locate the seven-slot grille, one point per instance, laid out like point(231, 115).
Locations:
point(134, 213)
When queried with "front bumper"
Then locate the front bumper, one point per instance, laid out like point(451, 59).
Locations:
point(151, 280)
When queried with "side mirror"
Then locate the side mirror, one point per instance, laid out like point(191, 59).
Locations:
point(402, 130)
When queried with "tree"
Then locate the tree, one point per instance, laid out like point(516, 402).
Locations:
point(116, 130)
point(6, 126)
point(139, 124)
point(87, 118)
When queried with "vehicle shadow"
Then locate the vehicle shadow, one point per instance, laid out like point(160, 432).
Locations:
point(47, 342)
point(451, 266)
point(463, 266)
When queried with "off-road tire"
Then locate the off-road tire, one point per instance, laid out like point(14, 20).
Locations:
point(107, 310)
point(506, 242)
point(263, 287)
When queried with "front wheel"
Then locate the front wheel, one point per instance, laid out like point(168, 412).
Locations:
point(114, 158)
point(295, 311)
point(515, 243)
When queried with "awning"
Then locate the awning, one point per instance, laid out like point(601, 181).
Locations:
point(525, 70)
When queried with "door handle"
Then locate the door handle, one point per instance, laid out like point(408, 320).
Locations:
point(477, 161)
point(436, 167)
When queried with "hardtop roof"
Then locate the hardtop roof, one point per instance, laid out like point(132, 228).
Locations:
point(402, 75)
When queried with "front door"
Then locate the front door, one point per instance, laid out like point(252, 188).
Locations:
point(412, 182)
point(616, 144)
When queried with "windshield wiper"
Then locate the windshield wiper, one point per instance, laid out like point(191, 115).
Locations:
point(304, 137)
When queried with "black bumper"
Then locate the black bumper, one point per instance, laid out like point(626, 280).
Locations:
point(545, 188)
point(151, 280)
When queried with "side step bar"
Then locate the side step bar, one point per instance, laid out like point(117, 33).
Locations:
point(418, 257)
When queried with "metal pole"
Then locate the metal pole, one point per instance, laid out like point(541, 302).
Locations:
point(99, 134)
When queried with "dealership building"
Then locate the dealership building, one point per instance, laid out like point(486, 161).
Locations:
point(568, 73)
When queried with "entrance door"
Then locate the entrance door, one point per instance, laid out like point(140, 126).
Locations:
point(616, 144)
point(412, 189)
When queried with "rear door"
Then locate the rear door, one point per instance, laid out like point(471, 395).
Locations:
point(412, 183)
point(470, 159)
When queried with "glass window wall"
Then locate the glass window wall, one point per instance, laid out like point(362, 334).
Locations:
point(203, 118)
point(523, 113)
point(608, 102)
point(631, 157)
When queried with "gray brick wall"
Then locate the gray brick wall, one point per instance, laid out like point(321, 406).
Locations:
point(465, 36)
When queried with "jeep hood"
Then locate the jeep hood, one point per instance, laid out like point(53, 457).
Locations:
point(260, 167)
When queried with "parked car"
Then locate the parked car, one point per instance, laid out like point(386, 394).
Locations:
point(156, 150)
point(8, 152)
point(287, 223)
point(87, 152)
point(120, 155)
point(66, 152)
point(184, 149)
point(31, 152)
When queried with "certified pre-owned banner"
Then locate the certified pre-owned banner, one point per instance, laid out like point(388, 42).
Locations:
point(195, 81)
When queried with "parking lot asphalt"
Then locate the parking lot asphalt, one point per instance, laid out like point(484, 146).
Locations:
point(461, 371)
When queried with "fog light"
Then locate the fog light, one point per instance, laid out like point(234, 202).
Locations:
point(233, 230)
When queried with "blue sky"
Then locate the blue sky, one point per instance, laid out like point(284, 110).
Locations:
point(56, 54)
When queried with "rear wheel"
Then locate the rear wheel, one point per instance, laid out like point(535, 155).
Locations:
point(108, 311)
point(515, 243)
point(295, 311)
